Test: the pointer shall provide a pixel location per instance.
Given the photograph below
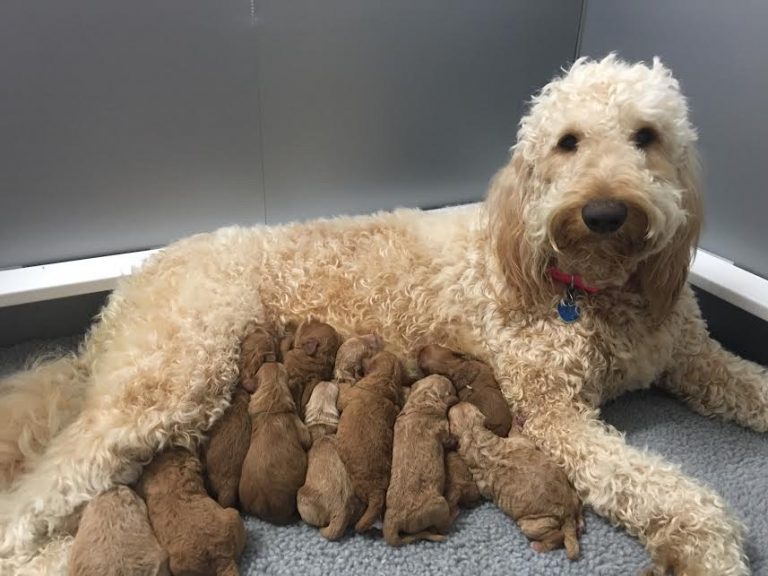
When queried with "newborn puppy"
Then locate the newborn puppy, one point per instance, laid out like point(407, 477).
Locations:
point(310, 360)
point(116, 539)
point(474, 383)
point(276, 462)
point(415, 502)
point(258, 346)
point(366, 426)
point(351, 355)
point(521, 480)
point(327, 499)
point(223, 455)
point(322, 415)
point(460, 488)
point(200, 536)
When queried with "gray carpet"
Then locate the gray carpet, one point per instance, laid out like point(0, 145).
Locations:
point(732, 460)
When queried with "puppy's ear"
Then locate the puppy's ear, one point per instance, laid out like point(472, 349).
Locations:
point(310, 346)
point(523, 268)
point(663, 275)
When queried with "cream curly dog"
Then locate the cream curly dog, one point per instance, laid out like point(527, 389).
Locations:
point(601, 184)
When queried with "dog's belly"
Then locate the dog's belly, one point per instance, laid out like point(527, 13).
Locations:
point(360, 277)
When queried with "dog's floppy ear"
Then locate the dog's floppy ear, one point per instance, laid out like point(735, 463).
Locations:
point(663, 274)
point(310, 346)
point(523, 272)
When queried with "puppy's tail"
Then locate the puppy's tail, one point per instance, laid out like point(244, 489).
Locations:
point(571, 537)
point(372, 512)
point(35, 404)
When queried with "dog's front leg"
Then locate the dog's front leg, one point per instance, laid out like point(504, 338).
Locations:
point(685, 526)
point(714, 381)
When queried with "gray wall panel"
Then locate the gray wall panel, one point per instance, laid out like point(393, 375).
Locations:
point(124, 125)
point(370, 105)
point(718, 51)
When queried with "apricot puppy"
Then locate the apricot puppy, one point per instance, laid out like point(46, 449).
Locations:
point(474, 382)
point(415, 502)
point(276, 462)
point(115, 538)
point(366, 427)
point(223, 455)
point(521, 480)
point(310, 360)
point(200, 536)
point(258, 346)
point(327, 499)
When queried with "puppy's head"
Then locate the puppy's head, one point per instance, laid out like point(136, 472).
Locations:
point(601, 184)
point(434, 390)
point(352, 353)
point(465, 416)
point(386, 365)
point(317, 339)
point(438, 359)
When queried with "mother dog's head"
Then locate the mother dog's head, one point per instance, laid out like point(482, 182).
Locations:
point(602, 184)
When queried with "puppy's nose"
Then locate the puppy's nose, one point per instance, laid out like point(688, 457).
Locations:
point(604, 216)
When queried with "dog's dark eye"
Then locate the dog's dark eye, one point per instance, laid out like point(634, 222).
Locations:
point(644, 137)
point(568, 143)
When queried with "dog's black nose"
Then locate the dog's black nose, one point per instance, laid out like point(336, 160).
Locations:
point(604, 216)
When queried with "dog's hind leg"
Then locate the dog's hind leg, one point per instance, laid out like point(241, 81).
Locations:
point(35, 404)
point(167, 361)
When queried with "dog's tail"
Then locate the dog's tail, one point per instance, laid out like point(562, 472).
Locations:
point(571, 537)
point(372, 511)
point(35, 404)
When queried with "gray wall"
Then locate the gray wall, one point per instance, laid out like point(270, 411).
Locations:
point(719, 51)
point(369, 105)
point(124, 125)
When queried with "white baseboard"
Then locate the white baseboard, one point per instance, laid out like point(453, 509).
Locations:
point(727, 281)
point(47, 282)
point(73, 278)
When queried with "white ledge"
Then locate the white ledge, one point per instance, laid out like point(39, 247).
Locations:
point(73, 278)
point(727, 281)
point(711, 273)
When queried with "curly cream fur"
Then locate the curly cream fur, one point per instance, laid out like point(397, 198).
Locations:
point(160, 364)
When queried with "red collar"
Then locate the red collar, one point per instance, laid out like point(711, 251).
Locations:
point(570, 279)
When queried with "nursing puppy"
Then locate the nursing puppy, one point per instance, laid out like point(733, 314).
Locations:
point(115, 538)
point(310, 360)
point(366, 427)
point(276, 462)
point(415, 502)
point(200, 536)
point(327, 499)
point(474, 383)
point(223, 455)
point(460, 488)
point(521, 480)
point(258, 346)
